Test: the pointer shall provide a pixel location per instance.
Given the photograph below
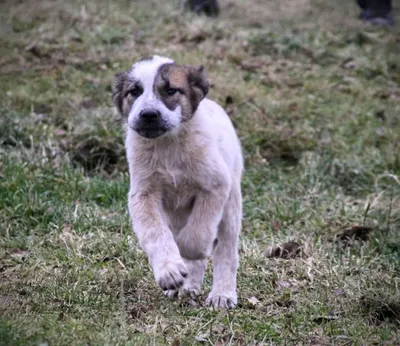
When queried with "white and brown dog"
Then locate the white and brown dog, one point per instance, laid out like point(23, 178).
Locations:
point(185, 165)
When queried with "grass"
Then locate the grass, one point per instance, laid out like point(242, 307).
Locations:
point(315, 97)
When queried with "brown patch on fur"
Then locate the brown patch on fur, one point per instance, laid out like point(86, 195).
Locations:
point(117, 90)
point(122, 99)
point(190, 82)
point(177, 76)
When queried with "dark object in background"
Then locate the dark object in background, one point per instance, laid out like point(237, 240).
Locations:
point(208, 7)
point(376, 12)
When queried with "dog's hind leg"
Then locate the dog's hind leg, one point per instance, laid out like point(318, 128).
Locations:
point(194, 280)
point(225, 257)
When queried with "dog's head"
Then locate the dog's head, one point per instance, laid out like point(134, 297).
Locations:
point(157, 95)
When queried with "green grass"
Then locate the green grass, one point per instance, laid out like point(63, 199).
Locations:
point(315, 97)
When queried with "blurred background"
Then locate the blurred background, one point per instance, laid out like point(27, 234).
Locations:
point(314, 94)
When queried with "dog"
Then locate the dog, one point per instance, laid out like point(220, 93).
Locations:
point(185, 165)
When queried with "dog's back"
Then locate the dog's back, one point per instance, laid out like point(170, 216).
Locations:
point(213, 121)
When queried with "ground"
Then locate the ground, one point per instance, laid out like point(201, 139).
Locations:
point(315, 97)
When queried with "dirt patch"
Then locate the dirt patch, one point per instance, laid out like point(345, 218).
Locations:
point(93, 155)
point(354, 234)
point(138, 310)
point(381, 309)
point(287, 250)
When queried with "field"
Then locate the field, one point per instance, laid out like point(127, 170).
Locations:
point(315, 97)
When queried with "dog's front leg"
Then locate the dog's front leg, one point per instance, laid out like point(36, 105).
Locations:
point(199, 236)
point(156, 239)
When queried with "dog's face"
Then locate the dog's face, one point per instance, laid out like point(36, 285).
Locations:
point(157, 95)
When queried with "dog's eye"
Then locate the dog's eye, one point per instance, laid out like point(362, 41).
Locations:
point(135, 91)
point(171, 91)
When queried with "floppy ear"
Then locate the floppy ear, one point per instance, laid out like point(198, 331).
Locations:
point(199, 85)
point(117, 90)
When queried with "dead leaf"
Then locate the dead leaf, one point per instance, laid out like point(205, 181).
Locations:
point(276, 225)
point(138, 310)
point(60, 132)
point(283, 284)
point(339, 292)
point(325, 319)
point(19, 254)
point(254, 64)
point(253, 300)
point(202, 337)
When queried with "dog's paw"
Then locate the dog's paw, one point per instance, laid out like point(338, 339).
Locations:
point(186, 291)
point(171, 275)
point(222, 299)
point(171, 294)
point(189, 290)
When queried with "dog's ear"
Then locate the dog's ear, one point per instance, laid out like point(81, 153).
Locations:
point(199, 85)
point(118, 90)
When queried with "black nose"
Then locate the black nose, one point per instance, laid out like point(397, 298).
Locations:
point(149, 114)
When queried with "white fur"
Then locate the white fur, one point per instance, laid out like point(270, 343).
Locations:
point(185, 193)
point(146, 72)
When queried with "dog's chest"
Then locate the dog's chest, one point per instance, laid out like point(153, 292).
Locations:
point(176, 170)
point(178, 189)
point(173, 176)
point(174, 167)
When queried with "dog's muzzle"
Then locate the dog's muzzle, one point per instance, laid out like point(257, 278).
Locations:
point(150, 124)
